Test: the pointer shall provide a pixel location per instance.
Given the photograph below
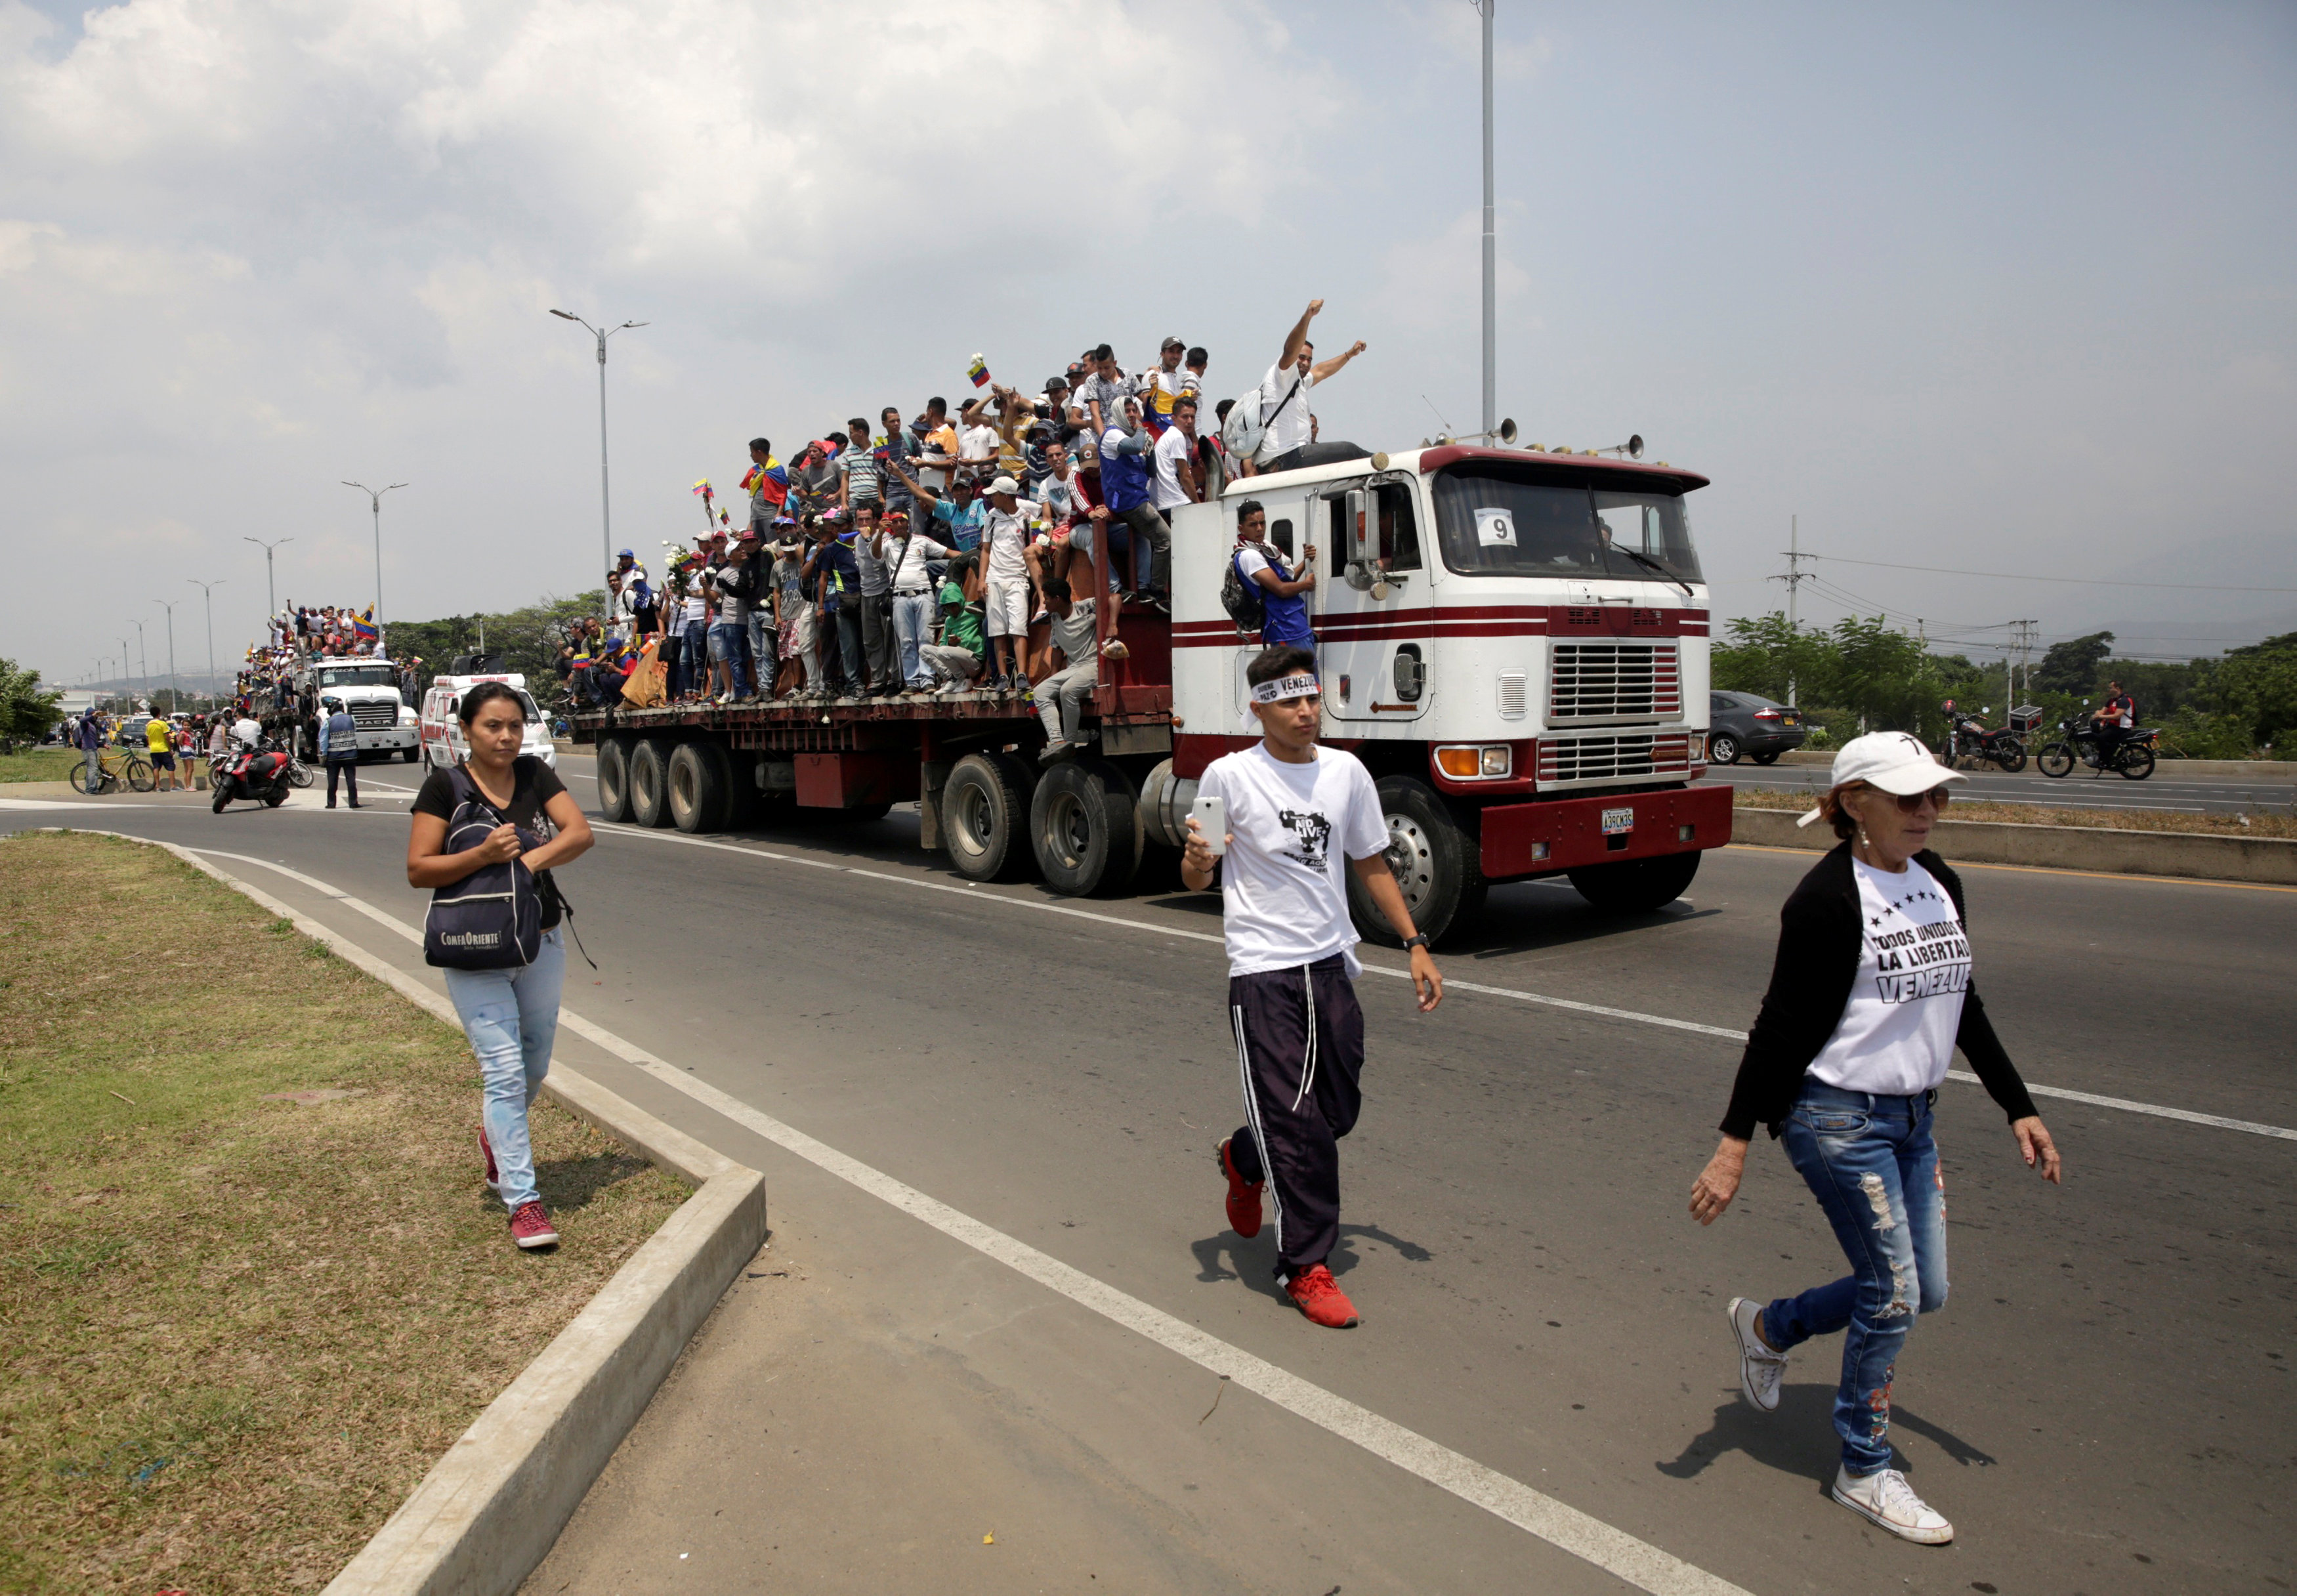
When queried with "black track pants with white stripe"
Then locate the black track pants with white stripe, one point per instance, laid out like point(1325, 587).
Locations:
point(1300, 1049)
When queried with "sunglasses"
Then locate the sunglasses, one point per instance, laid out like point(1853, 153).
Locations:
point(1910, 802)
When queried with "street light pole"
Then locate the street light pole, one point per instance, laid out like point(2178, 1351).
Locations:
point(173, 686)
point(374, 496)
point(270, 575)
point(208, 590)
point(1491, 242)
point(143, 656)
point(606, 514)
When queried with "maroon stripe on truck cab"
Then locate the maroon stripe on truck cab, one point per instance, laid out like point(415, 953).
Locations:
point(1591, 621)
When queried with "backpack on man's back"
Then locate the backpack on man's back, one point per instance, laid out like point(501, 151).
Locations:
point(1242, 599)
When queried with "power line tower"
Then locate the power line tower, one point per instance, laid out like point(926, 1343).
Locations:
point(1794, 579)
point(2025, 661)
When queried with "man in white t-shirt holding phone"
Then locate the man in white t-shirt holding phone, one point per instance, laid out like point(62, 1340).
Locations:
point(1292, 816)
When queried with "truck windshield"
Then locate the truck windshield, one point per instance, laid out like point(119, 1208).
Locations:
point(1493, 521)
point(359, 676)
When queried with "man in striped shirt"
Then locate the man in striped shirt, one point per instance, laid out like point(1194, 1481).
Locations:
point(862, 483)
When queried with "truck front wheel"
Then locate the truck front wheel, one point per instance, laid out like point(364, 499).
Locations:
point(1436, 862)
point(985, 816)
point(1084, 824)
point(614, 779)
point(1636, 886)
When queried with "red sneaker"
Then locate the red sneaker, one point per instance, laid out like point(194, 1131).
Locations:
point(1243, 1196)
point(529, 1227)
point(1316, 1294)
point(487, 1151)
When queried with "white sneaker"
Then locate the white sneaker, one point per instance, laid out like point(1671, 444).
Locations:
point(1760, 1370)
point(1886, 1500)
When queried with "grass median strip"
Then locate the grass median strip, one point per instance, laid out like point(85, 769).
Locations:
point(41, 764)
point(249, 1285)
point(2261, 823)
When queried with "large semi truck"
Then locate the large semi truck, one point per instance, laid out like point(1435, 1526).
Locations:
point(369, 689)
point(1515, 642)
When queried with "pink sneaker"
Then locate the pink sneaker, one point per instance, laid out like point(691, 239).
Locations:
point(1243, 1195)
point(529, 1227)
point(1317, 1295)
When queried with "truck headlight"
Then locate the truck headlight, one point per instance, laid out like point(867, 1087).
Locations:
point(1473, 761)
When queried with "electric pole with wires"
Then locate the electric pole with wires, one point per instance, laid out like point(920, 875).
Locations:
point(1794, 579)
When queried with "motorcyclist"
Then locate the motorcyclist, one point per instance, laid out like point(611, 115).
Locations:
point(2113, 721)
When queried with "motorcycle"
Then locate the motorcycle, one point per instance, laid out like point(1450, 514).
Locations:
point(1968, 736)
point(259, 775)
point(2132, 757)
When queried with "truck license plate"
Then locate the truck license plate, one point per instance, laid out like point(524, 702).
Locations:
point(1618, 821)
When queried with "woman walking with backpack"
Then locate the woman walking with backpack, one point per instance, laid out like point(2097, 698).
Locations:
point(510, 1014)
point(1868, 997)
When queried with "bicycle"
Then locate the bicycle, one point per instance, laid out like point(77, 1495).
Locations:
point(133, 766)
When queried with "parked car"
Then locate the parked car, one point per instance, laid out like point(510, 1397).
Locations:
point(1751, 724)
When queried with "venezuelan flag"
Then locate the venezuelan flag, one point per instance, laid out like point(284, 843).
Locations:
point(364, 626)
point(770, 481)
point(978, 371)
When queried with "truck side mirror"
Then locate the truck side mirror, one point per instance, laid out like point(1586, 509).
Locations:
point(1360, 549)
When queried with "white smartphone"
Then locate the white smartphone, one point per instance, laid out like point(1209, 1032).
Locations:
point(1211, 815)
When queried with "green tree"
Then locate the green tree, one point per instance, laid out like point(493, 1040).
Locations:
point(1764, 654)
point(2259, 686)
point(2071, 666)
point(27, 709)
point(525, 639)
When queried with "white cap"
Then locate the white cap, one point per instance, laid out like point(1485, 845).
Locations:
point(1895, 761)
point(1004, 485)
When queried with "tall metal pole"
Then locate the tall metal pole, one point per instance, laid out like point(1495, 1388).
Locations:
point(174, 687)
point(208, 590)
point(606, 510)
point(1491, 242)
point(374, 499)
point(143, 658)
point(270, 574)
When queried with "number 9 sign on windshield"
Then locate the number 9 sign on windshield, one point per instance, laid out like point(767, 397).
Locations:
point(1495, 528)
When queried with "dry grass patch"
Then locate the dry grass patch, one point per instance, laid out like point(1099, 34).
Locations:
point(2262, 823)
point(41, 764)
point(236, 1331)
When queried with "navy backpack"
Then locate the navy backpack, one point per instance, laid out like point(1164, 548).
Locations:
point(492, 918)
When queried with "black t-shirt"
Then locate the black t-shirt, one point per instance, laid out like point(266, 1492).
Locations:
point(533, 786)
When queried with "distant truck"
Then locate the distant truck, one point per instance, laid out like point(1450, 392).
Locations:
point(369, 689)
point(1515, 642)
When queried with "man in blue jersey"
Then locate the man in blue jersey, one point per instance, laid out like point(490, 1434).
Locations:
point(1261, 564)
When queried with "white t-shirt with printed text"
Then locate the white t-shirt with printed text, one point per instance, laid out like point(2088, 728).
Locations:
point(1294, 827)
point(1896, 1036)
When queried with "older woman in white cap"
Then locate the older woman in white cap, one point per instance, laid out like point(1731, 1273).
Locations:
point(1868, 997)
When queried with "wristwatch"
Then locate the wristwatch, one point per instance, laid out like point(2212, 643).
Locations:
point(1417, 940)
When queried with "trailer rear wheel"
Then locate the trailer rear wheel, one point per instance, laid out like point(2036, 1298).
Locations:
point(984, 813)
point(1085, 825)
point(1436, 862)
point(699, 787)
point(1636, 886)
point(614, 779)
point(650, 782)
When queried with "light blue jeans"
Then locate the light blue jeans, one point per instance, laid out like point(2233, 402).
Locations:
point(912, 625)
point(511, 1018)
point(1871, 1163)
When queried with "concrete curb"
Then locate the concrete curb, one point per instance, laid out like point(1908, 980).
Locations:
point(490, 1507)
point(2270, 860)
point(2267, 769)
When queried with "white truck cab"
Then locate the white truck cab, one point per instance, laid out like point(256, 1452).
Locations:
point(1515, 642)
point(369, 690)
point(443, 745)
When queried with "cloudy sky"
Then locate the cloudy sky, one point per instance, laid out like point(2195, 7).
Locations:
point(1998, 289)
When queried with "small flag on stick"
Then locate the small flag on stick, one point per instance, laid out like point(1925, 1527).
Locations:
point(978, 371)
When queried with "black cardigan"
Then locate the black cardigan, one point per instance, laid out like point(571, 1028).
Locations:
point(1819, 945)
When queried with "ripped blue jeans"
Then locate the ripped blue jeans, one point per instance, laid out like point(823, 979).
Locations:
point(511, 1018)
point(1871, 1163)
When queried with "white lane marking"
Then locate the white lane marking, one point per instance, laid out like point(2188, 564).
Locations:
point(973, 892)
point(1583, 1535)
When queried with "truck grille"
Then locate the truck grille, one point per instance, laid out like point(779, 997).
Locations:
point(374, 717)
point(1631, 756)
point(1615, 681)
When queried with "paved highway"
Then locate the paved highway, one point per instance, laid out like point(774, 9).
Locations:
point(2085, 788)
point(2104, 1406)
